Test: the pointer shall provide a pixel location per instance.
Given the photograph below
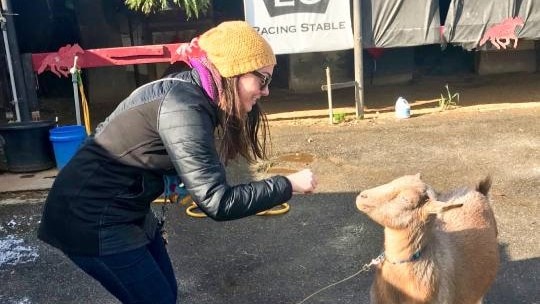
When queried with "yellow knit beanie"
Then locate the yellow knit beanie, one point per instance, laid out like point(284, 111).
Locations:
point(235, 48)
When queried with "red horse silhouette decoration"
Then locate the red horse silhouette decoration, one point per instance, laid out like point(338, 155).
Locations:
point(505, 30)
point(60, 62)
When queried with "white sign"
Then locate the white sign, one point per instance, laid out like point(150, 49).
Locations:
point(299, 26)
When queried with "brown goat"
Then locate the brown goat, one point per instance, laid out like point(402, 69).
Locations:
point(437, 248)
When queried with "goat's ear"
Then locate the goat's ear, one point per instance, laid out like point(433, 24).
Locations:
point(436, 207)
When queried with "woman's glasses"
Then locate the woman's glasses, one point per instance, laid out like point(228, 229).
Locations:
point(265, 79)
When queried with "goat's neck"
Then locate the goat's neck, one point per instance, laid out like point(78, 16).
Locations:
point(402, 244)
point(410, 282)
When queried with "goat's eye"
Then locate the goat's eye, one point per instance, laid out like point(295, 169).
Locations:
point(363, 195)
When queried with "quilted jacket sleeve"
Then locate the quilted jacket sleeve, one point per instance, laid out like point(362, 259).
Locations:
point(186, 124)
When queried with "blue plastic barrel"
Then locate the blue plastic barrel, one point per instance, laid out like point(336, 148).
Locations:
point(66, 140)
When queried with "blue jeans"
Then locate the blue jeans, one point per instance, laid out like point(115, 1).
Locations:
point(142, 275)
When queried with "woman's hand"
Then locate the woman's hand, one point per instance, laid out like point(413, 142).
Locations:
point(303, 181)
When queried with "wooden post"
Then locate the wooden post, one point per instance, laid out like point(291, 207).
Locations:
point(358, 60)
point(329, 92)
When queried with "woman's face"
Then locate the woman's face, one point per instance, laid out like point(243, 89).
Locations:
point(254, 85)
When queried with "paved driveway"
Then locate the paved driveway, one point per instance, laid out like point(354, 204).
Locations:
point(322, 239)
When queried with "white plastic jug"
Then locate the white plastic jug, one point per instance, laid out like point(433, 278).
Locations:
point(403, 109)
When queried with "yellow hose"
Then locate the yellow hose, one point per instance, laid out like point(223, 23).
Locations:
point(161, 200)
point(84, 101)
point(284, 209)
point(173, 198)
point(190, 212)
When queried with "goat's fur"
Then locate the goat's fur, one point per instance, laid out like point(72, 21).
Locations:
point(455, 233)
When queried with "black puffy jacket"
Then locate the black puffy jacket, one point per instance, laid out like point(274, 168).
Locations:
point(100, 201)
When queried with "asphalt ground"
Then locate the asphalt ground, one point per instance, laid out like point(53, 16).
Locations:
point(323, 239)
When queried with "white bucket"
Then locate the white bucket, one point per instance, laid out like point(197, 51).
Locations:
point(403, 109)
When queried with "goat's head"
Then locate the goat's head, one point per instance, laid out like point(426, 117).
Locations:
point(400, 202)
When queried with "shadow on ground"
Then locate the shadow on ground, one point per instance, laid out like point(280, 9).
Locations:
point(261, 259)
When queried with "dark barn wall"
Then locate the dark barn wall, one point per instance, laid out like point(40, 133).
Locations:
point(45, 26)
point(100, 24)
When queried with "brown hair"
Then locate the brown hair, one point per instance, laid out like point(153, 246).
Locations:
point(240, 132)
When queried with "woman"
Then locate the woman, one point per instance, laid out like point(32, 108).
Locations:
point(98, 210)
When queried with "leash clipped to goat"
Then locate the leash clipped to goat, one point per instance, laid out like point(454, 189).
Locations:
point(376, 261)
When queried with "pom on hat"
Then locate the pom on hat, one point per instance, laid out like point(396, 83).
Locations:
point(235, 48)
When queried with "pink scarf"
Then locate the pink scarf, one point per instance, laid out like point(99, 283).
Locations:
point(195, 57)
